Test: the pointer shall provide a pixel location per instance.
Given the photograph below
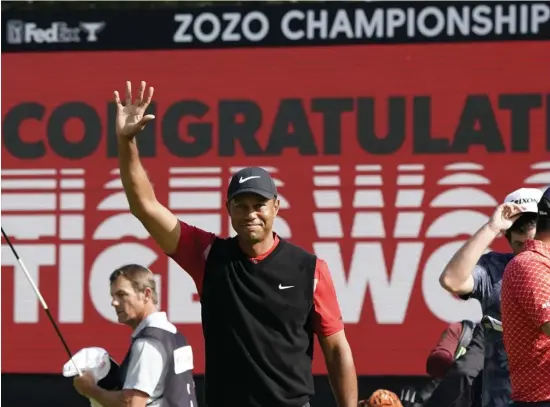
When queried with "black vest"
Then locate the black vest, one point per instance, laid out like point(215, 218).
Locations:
point(179, 389)
point(258, 328)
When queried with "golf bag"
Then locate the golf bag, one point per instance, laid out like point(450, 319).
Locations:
point(412, 397)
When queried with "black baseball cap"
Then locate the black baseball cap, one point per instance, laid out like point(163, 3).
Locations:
point(254, 180)
point(544, 205)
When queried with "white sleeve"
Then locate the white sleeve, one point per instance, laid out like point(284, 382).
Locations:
point(146, 367)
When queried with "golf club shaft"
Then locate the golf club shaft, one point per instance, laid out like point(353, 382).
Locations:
point(41, 299)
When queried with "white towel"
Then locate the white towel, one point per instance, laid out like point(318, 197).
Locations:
point(94, 360)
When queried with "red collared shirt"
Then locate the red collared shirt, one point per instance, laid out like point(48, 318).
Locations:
point(525, 305)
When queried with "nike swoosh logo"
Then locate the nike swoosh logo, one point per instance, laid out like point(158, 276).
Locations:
point(248, 178)
point(284, 287)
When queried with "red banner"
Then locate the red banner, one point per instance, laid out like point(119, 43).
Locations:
point(387, 157)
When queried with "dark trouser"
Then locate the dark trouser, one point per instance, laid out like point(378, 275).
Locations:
point(534, 404)
point(461, 386)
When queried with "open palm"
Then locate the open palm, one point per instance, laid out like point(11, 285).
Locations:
point(131, 118)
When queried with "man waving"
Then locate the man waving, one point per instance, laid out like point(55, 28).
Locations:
point(262, 297)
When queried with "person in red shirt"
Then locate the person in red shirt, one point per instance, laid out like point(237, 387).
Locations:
point(526, 315)
point(262, 298)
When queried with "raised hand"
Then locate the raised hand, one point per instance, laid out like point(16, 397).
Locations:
point(130, 118)
point(504, 216)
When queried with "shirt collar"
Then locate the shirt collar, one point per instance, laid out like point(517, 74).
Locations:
point(154, 318)
point(538, 247)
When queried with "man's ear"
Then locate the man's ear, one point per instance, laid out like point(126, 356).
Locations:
point(148, 293)
point(276, 204)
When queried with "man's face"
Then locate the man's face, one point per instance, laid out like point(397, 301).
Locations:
point(252, 216)
point(129, 305)
point(518, 239)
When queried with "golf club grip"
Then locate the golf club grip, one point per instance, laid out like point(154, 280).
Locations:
point(10, 245)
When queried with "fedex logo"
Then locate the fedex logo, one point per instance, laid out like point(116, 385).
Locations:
point(58, 32)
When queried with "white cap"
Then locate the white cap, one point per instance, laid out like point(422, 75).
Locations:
point(526, 198)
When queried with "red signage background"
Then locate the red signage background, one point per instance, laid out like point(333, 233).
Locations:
point(446, 73)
